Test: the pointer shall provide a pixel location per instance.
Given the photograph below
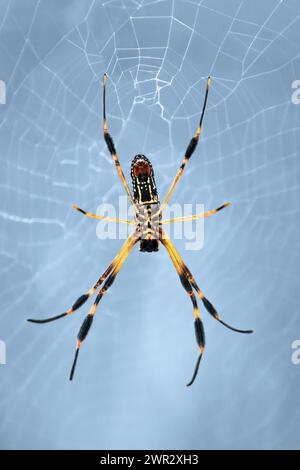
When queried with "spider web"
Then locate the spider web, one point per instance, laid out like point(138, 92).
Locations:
point(129, 387)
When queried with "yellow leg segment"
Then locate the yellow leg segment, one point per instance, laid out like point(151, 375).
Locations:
point(101, 217)
point(196, 216)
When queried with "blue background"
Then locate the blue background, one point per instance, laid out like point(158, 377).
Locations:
point(129, 390)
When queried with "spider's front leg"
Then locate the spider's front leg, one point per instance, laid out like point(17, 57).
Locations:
point(190, 149)
point(111, 146)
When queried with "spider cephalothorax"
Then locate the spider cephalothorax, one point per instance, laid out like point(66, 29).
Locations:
point(143, 182)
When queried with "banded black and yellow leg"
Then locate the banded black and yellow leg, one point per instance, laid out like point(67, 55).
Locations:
point(83, 298)
point(207, 304)
point(196, 216)
point(111, 146)
point(199, 329)
point(79, 302)
point(87, 323)
point(190, 149)
point(102, 217)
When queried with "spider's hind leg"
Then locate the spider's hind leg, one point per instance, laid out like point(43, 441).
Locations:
point(83, 298)
point(199, 329)
point(87, 322)
point(77, 304)
point(207, 304)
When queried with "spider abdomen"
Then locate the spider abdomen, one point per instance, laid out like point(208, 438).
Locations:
point(148, 220)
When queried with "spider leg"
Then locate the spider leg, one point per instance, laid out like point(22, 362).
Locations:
point(101, 217)
point(111, 146)
point(190, 149)
point(83, 298)
point(87, 323)
point(199, 329)
point(196, 216)
point(207, 304)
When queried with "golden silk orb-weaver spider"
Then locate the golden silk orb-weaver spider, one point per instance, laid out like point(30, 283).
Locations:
point(149, 233)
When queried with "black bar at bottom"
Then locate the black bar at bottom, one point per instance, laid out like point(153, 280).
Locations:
point(132, 458)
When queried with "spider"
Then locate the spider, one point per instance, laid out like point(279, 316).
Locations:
point(149, 233)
